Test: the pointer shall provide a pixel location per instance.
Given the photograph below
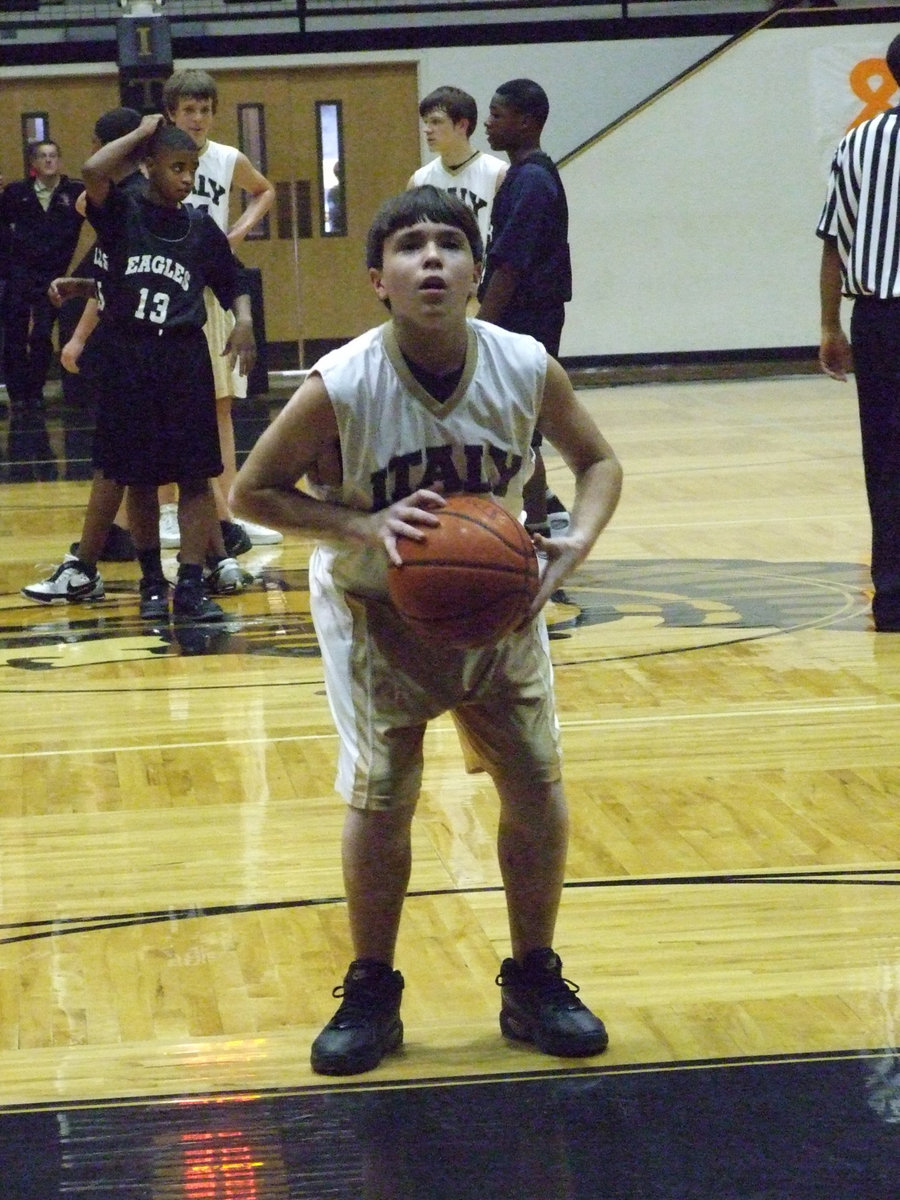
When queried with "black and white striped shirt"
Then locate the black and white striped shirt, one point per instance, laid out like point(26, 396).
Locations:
point(862, 207)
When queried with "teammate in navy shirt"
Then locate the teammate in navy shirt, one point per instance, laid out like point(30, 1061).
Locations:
point(527, 271)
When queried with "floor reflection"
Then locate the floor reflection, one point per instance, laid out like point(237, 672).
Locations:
point(29, 455)
point(56, 443)
point(808, 1129)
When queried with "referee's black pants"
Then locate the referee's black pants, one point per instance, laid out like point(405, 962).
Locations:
point(875, 337)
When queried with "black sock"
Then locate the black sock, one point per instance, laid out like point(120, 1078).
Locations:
point(89, 569)
point(190, 573)
point(151, 563)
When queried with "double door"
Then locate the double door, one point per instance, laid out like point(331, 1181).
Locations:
point(296, 124)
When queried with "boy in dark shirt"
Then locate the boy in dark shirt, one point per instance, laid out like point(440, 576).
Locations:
point(527, 276)
point(156, 420)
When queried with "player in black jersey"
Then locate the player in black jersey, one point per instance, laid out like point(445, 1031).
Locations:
point(156, 420)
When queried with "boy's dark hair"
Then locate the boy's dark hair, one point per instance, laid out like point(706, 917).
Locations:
point(116, 123)
point(190, 83)
point(526, 96)
point(426, 203)
point(457, 104)
point(170, 137)
point(893, 58)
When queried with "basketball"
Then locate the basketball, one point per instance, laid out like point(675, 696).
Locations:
point(471, 580)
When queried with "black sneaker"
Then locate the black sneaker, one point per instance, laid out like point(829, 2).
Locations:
point(236, 539)
point(118, 546)
point(366, 1026)
point(154, 605)
point(540, 1006)
point(191, 603)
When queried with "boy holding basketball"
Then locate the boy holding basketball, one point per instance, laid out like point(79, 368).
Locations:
point(428, 404)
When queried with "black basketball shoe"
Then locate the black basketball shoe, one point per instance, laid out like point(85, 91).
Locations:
point(154, 602)
point(191, 603)
point(118, 546)
point(366, 1026)
point(539, 1006)
point(236, 539)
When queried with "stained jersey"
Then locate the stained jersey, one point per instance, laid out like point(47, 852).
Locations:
point(475, 184)
point(211, 193)
point(158, 261)
point(212, 182)
point(395, 437)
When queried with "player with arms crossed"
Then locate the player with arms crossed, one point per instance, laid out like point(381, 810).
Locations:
point(428, 404)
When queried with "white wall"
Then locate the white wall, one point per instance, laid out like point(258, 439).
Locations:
point(693, 223)
point(589, 84)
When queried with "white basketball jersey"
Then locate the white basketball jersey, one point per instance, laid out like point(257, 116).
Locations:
point(212, 183)
point(395, 437)
point(475, 184)
point(212, 191)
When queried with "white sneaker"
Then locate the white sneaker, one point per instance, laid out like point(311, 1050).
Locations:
point(68, 583)
point(559, 523)
point(260, 535)
point(226, 578)
point(169, 533)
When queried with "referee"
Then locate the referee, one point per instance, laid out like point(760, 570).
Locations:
point(860, 232)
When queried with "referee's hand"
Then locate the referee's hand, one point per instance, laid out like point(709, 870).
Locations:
point(835, 354)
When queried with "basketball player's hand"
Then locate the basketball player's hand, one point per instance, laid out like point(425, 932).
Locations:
point(404, 519)
point(835, 354)
point(150, 122)
point(241, 347)
point(560, 557)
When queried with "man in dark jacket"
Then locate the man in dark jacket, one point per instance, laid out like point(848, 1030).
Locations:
point(43, 224)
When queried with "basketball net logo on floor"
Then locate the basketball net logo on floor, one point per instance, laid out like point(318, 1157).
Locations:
point(607, 611)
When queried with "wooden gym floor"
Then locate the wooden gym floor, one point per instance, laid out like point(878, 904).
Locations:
point(172, 914)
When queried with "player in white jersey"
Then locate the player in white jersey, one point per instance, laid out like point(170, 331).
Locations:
point(430, 404)
point(190, 99)
point(449, 118)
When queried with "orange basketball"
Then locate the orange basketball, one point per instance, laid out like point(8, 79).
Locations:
point(471, 580)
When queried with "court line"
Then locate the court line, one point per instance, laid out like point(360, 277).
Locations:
point(56, 927)
point(824, 709)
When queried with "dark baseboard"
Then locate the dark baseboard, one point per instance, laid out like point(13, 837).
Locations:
point(685, 366)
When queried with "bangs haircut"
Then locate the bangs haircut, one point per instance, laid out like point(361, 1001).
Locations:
point(426, 203)
point(170, 137)
point(457, 104)
point(192, 84)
